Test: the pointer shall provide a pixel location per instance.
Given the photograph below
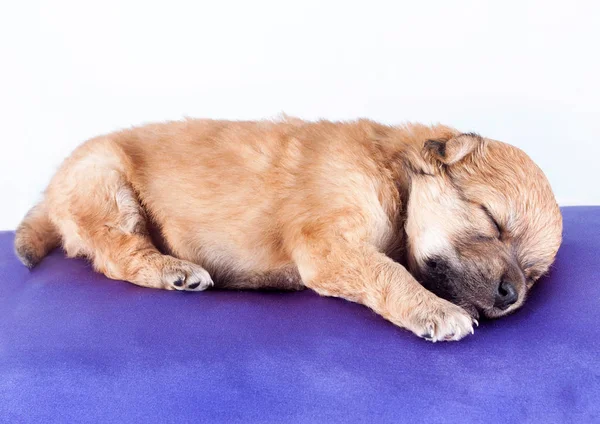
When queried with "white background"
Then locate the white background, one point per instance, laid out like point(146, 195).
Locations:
point(525, 72)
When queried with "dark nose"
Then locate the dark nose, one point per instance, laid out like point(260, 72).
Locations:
point(506, 295)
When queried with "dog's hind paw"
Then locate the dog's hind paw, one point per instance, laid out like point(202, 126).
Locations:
point(186, 276)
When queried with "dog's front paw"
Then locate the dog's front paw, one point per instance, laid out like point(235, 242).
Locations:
point(440, 320)
point(183, 275)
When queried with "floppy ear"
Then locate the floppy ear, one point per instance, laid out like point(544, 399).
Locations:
point(454, 149)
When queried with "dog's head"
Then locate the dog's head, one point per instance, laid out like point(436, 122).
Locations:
point(482, 225)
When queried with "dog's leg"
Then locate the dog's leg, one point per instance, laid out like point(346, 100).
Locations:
point(98, 216)
point(126, 252)
point(364, 275)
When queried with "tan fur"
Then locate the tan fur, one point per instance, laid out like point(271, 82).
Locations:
point(290, 204)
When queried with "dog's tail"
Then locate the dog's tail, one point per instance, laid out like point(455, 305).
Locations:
point(36, 236)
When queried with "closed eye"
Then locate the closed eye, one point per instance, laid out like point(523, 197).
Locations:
point(491, 217)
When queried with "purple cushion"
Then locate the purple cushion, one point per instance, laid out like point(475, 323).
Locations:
point(77, 347)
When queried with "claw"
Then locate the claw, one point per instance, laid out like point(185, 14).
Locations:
point(476, 322)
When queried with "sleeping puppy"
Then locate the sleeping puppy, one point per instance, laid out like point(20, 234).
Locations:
point(427, 226)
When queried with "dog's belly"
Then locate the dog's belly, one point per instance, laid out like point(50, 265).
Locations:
point(233, 262)
point(285, 278)
point(237, 268)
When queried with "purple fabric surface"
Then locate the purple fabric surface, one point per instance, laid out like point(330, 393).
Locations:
point(77, 347)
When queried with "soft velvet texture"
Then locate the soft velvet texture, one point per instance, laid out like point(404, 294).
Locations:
point(77, 347)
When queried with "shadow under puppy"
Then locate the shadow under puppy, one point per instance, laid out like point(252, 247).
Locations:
point(427, 226)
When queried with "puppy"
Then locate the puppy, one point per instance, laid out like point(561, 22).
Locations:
point(427, 226)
